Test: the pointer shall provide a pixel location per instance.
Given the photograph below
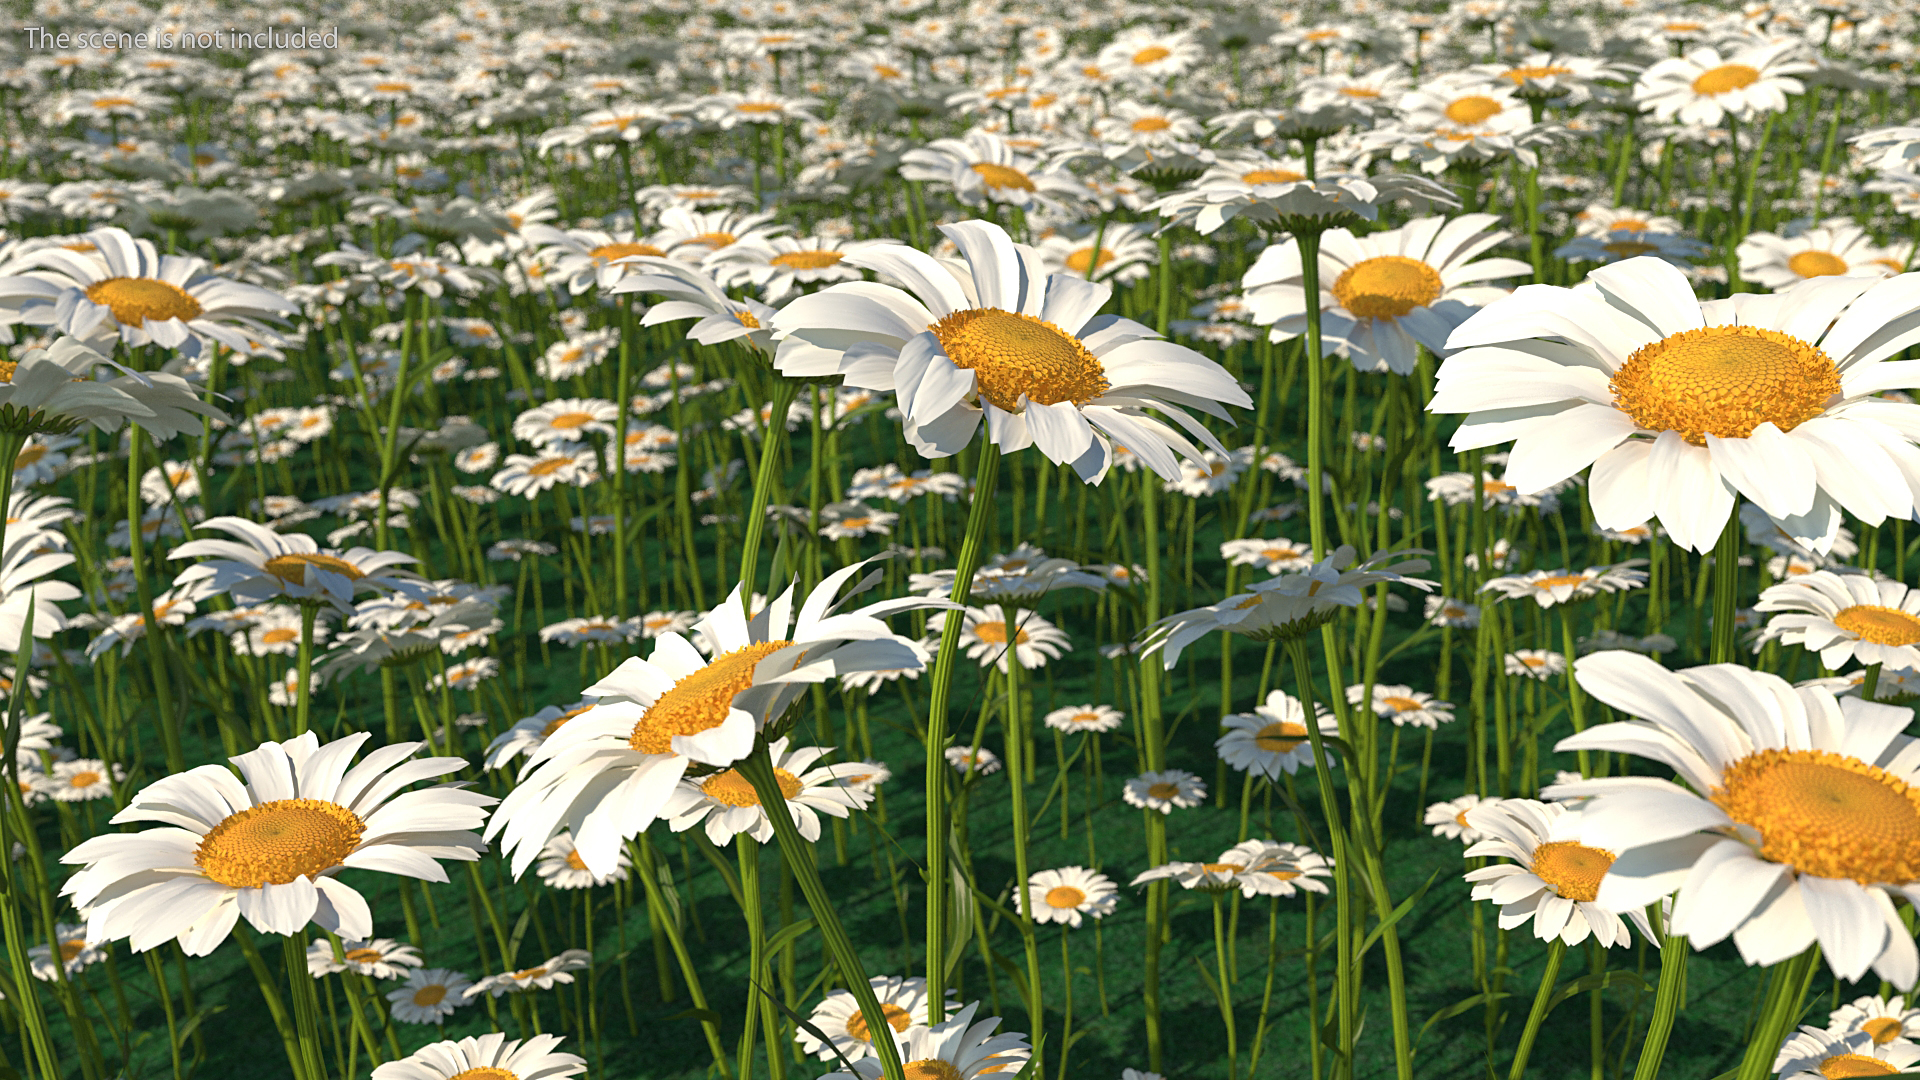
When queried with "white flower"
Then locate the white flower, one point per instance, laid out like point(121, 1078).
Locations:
point(1554, 878)
point(1069, 894)
point(1702, 87)
point(1449, 819)
point(490, 1056)
point(1273, 738)
point(1845, 617)
point(381, 958)
point(542, 976)
point(958, 1049)
point(1088, 718)
point(266, 565)
point(729, 805)
point(1163, 791)
point(1404, 705)
point(429, 996)
point(902, 1000)
point(1550, 587)
point(989, 633)
point(1885, 1020)
point(1812, 1053)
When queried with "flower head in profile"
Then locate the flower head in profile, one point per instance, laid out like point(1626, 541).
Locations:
point(262, 565)
point(1550, 587)
point(1088, 718)
point(1292, 204)
point(1845, 617)
point(1702, 86)
point(381, 958)
point(1885, 1020)
point(1553, 879)
point(545, 975)
point(1811, 1052)
point(492, 1057)
point(1404, 705)
point(902, 1000)
point(960, 1048)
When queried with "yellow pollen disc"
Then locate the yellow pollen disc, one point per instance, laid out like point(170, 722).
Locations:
point(759, 107)
point(1557, 580)
point(1151, 123)
point(570, 420)
point(135, 300)
point(29, 455)
point(855, 522)
point(1280, 738)
point(84, 779)
point(1473, 109)
point(1817, 264)
point(1843, 1066)
point(1065, 896)
point(996, 633)
point(72, 948)
point(484, 1072)
point(7, 368)
point(430, 995)
point(1882, 1029)
point(530, 973)
point(1879, 625)
point(807, 260)
point(700, 701)
point(292, 569)
point(548, 466)
point(1222, 867)
point(1400, 704)
point(1081, 261)
point(1536, 71)
point(362, 956)
point(1826, 814)
point(1250, 602)
point(560, 721)
point(1573, 870)
point(1002, 177)
point(1272, 176)
point(610, 252)
point(112, 102)
point(931, 1069)
point(1013, 356)
point(1725, 79)
point(1360, 91)
point(1630, 225)
point(747, 319)
point(1163, 791)
point(732, 789)
point(1724, 381)
point(898, 1019)
point(276, 842)
point(573, 861)
point(888, 71)
point(713, 239)
point(1460, 819)
point(392, 88)
point(1627, 249)
point(1152, 54)
point(1387, 285)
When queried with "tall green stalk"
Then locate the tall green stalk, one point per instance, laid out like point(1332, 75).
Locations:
point(771, 442)
point(1346, 992)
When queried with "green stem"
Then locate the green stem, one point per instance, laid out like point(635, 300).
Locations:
point(1226, 986)
point(1666, 1001)
point(309, 614)
point(670, 926)
point(1786, 992)
point(1309, 243)
point(1016, 779)
point(1344, 994)
point(1542, 1001)
point(1726, 591)
point(143, 589)
point(771, 441)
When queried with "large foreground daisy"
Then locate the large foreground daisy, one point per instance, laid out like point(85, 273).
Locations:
point(486, 1057)
point(1005, 342)
point(1680, 405)
point(269, 848)
point(609, 773)
point(1798, 822)
point(958, 1049)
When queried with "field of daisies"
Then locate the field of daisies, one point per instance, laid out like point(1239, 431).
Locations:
point(919, 540)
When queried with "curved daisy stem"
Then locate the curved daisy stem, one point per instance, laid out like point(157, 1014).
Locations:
point(1786, 991)
point(143, 589)
point(748, 851)
point(1226, 986)
point(1066, 1017)
point(642, 852)
point(1343, 972)
point(758, 769)
point(1542, 1001)
point(306, 1008)
point(939, 891)
point(771, 440)
point(1726, 591)
point(1309, 242)
point(1666, 998)
point(309, 614)
point(1022, 864)
point(1870, 682)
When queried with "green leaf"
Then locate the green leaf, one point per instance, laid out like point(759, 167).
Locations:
point(705, 1016)
point(1398, 913)
point(519, 931)
point(1600, 980)
point(787, 935)
point(1456, 1009)
point(804, 1024)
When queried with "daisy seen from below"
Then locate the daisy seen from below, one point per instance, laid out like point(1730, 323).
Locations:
point(381, 958)
point(485, 1057)
point(1680, 406)
point(261, 565)
point(1449, 819)
point(1090, 718)
point(1165, 790)
point(973, 761)
point(1799, 821)
point(1386, 294)
point(957, 1049)
point(838, 1016)
point(1846, 616)
point(545, 975)
point(607, 775)
point(1550, 587)
point(728, 804)
point(1273, 738)
point(989, 633)
point(269, 848)
point(1701, 86)
point(1404, 705)
point(1006, 344)
point(1553, 879)
point(1272, 868)
point(560, 867)
point(1070, 894)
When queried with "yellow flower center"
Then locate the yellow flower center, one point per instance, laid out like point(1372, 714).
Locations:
point(1882, 1029)
point(524, 974)
point(1473, 109)
point(574, 861)
point(560, 721)
point(71, 948)
point(1002, 177)
point(1280, 738)
point(888, 71)
point(1627, 249)
point(548, 466)
point(1460, 819)
point(1725, 79)
point(277, 842)
point(1272, 176)
point(112, 102)
point(392, 88)
point(32, 453)
point(1163, 791)
point(1152, 54)
point(1386, 286)
point(430, 995)
point(1400, 704)
point(86, 778)
point(292, 569)
point(1065, 896)
point(1844, 1066)
point(610, 252)
point(362, 956)
point(135, 300)
point(996, 633)
point(731, 789)
point(484, 1072)
point(1573, 870)
point(1360, 92)
point(1817, 264)
point(1082, 262)
point(1553, 581)
point(759, 107)
point(1879, 625)
point(699, 701)
point(898, 1019)
point(1536, 71)
point(855, 522)
point(1724, 381)
point(931, 1069)
point(1826, 814)
point(1222, 867)
point(807, 260)
point(1014, 356)
point(568, 421)
point(713, 239)
point(1152, 123)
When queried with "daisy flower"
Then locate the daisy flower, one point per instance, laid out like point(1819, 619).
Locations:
point(655, 623)
point(728, 804)
point(567, 420)
point(1271, 868)
point(1846, 616)
point(560, 866)
point(693, 294)
point(985, 169)
point(989, 633)
point(53, 389)
point(1553, 880)
point(1550, 587)
point(1165, 790)
point(1213, 877)
point(1271, 739)
point(75, 954)
point(971, 762)
point(1885, 1020)
point(545, 975)
point(1126, 253)
point(1404, 705)
point(574, 356)
point(1674, 248)
point(1385, 294)
point(849, 520)
point(429, 996)
point(1680, 406)
point(780, 265)
point(262, 565)
point(1069, 894)
point(489, 1056)
point(1025, 353)
point(957, 1049)
point(1811, 1053)
point(82, 780)
point(1835, 248)
point(1089, 718)
point(1799, 821)
point(381, 958)
point(1210, 474)
point(1448, 612)
point(1703, 87)
point(1279, 201)
point(1449, 819)
point(1273, 555)
point(902, 1000)
point(529, 475)
point(270, 848)
point(1535, 663)
point(606, 776)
